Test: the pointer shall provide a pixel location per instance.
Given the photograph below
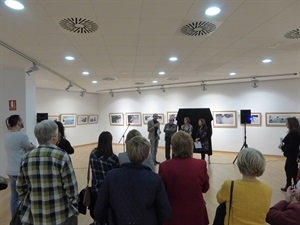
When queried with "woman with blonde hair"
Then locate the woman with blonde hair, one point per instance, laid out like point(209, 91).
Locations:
point(250, 198)
point(185, 180)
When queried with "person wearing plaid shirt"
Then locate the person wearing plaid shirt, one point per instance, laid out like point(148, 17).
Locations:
point(47, 182)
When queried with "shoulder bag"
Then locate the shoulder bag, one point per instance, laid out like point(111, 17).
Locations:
point(221, 210)
point(85, 194)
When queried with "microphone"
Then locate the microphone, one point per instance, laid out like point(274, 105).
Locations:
point(129, 124)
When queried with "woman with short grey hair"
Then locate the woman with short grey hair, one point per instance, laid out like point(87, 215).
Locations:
point(47, 182)
point(250, 198)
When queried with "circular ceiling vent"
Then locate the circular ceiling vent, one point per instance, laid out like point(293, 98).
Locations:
point(172, 78)
point(139, 83)
point(293, 34)
point(109, 78)
point(198, 28)
point(78, 25)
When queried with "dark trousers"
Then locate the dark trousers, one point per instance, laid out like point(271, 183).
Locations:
point(291, 170)
point(168, 148)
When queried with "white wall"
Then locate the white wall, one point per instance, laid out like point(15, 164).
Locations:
point(56, 102)
point(270, 96)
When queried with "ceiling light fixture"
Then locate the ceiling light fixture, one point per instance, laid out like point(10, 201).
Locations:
point(14, 4)
point(94, 82)
point(255, 83)
point(85, 73)
point(69, 86)
point(163, 88)
point(203, 86)
point(161, 73)
point(267, 61)
point(138, 90)
point(31, 69)
point(232, 74)
point(70, 58)
point(212, 11)
point(154, 82)
point(82, 93)
point(173, 59)
point(111, 93)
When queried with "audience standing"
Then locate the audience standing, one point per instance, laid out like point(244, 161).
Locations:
point(123, 156)
point(63, 143)
point(185, 180)
point(102, 160)
point(169, 129)
point(154, 132)
point(290, 148)
point(133, 194)
point(251, 198)
point(186, 126)
point(16, 144)
point(286, 212)
point(47, 182)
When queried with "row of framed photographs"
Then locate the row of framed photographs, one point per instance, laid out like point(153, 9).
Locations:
point(136, 118)
point(221, 119)
point(224, 119)
point(70, 120)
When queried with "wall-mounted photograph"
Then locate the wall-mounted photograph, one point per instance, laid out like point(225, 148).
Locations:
point(147, 117)
point(224, 119)
point(68, 120)
point(279, 118)
point(82, 119)
point(161, 118)
point(116, 119)
point(255, 119)
point(171, 115)
point(93, 119)
point(133, 118)
point(53, 118)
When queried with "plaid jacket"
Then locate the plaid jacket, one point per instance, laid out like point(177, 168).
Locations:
point(47, 182)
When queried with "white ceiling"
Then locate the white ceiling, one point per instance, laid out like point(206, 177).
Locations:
point(135, 38)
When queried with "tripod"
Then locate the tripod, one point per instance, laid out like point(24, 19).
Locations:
point(123, 138)
point(245, 142)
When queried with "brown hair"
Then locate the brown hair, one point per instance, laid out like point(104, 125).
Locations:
point(182, 145)
point(138, 149)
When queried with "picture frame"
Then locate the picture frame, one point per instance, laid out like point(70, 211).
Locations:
point(255, 119)
point(68, 120)
point(53, 118)
point(160, 118)
point(224, 119)
point(116, 119)
point(133, 118)
point(171, 114)
point(147, 117)
point(93, 119)
point(278, 119)
point(82, 119)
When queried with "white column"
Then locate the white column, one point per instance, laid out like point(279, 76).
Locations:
point(15, 84)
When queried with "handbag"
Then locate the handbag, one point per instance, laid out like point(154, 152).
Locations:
point(85, 194)
point(221, 210)
point(16, 220)
point(3, 183)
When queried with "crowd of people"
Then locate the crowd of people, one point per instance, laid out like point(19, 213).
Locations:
point(127, 190)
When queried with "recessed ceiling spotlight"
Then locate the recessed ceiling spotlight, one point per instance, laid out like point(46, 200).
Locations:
point(85, 73)
point(232, 74)
point(70, 58)
point(154, 82)
point(94, 82)
point(161, 73)
point(212, 11)
point(267, 61)
point(14, 4)
point(173, 59)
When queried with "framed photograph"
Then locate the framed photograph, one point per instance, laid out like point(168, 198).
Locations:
point(53, 118)
point(82, 119)
point(224, 119)
point(134, 119)
point(255, 119)
point(147, 117)
point(171, 114)
point(161, 118)
point(68, 120)
point(279, 119)
point(116, 119)
point(93, 119)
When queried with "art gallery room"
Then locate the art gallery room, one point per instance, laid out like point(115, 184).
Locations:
point(102, 65)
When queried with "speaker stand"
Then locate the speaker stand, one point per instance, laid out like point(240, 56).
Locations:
point(244, 144)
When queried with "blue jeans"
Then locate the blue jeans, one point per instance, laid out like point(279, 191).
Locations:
point(14, 197)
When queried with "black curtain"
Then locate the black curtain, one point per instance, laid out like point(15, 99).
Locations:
point(194, 114)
